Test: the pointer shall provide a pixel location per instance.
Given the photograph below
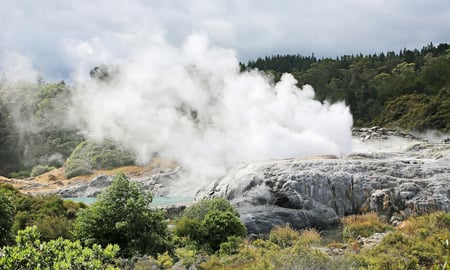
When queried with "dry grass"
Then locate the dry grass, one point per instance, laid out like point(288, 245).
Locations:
point(363, 225)
point(310, 237)
point(284, 236)
point(364, 219)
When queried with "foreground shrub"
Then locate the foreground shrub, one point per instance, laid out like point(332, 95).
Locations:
point(309, 237)
point(209, 223)
point(121, 215)
point(363, 225)
point(231, 246)
point(30, 253)
point(88, 156)
point(422, 244)
point(284, 236)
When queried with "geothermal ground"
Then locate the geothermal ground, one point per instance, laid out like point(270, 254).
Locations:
point(390, 172)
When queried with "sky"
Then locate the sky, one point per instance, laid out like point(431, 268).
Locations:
point(50, 35)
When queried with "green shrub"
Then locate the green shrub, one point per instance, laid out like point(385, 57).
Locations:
point(52, 215)
point(186, 256)
point(201, 209)
point(88, 156)
point(422, 243)
point(76, 168)
point(30, 253)
point(40, 169)
point(209, 223)
point(218, 226)
point(164, 260)
point(231, 246)
point(6, 219)
point(190, 228)
point(20, 174)
point(53, 227)
point(121, 216)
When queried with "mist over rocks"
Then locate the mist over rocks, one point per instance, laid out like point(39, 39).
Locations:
point(317, 192)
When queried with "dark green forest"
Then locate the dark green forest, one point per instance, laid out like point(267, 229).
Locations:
point(409, 89)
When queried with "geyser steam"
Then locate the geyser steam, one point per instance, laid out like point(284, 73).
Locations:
point(193, 105)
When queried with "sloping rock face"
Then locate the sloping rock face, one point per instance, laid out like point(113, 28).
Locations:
point(157, 183)
point(317, 192)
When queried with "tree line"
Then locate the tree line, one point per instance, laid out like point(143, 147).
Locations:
point(409, 89)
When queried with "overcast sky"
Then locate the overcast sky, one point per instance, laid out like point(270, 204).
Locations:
point(43, 30)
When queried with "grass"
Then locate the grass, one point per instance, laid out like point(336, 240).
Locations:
point(363, 225)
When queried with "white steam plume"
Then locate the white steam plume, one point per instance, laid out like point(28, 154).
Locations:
point(193, 105)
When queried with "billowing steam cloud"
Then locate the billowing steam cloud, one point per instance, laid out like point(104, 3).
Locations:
point(193, 105)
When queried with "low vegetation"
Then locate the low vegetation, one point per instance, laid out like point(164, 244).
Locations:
point(30, 252)
point(120, 231)
point(207, 225)
point(363, 225)
point(53, 216)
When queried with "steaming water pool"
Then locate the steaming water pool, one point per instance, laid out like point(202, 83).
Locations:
point(157, 201)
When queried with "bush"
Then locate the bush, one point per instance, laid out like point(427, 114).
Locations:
point(19, 175)
point(231, 246)
point(186, 256)
point(88, 156)
point(310, 237)
point(284, 236)
point(52, 215)
point(363, 225)
point(201, 209)
point(40, 169)
point(51, 227)
point(421, 244)
point(30, 253)
point(121, 216)
point(218, 226)
point(6, 219)
point(209, 223)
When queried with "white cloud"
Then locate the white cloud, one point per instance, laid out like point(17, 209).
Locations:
point(253, 28)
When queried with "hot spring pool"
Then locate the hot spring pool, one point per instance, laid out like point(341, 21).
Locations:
point(157, 201)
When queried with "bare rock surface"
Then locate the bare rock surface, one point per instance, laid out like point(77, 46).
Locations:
point(399, 174)
point(156, 182)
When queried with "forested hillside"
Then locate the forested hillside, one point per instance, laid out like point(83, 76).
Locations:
point(34, 128)
point(409, 89)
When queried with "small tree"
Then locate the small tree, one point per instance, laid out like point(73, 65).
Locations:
point(122, 216)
